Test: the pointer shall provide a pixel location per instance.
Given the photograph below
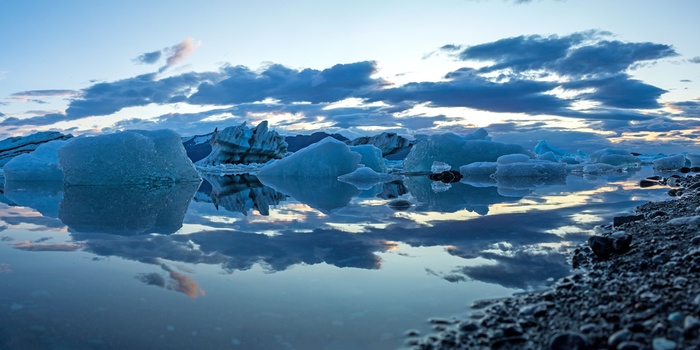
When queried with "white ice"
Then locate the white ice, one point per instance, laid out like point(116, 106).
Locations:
point(457, 150)
point(614, 157)
point(371, 157)
point(670, 163)
point(326, 158)
point(128, 157)
point(40, 165)
point(240, 144)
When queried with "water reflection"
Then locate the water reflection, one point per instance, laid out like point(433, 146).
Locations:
point(324, 254)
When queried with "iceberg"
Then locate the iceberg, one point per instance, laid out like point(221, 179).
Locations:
point(15, 146)
point(40, 165)
point(328, 158)
point(543, 147)
point(614, 157)
point(670, 163)
point(371, 157)
point(388, 142)
point(457, 150)
point(128, 157)
point(243, 145)
point(197, 146)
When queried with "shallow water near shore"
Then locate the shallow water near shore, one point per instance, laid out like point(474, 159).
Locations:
point(242, 263)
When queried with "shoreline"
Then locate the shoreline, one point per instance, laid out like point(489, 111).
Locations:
point(634, 285)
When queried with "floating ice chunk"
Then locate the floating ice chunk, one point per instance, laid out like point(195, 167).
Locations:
point(439, 167)
point(326, 158)
point(614, 157)
point(40, 165)
point(478, 169)
point(371, 157)
point(532, 169)
point(389, 143)
point(457, 150)
point(240, 144)
point(543, 147)
point(550, 156)
point(128, 157)
point(512, 158)
point(668, 163)
point(694, 159)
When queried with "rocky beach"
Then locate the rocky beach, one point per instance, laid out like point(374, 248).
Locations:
point(634, 285)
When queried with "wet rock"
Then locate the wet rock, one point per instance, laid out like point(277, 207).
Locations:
point(618, 337)
point(601, 246)
point(630, 345)
point(446, 176)
point(663, 344)
point(399, 204)
point(647, 183)
point(621, 220)
point(569, 341)
point(690, 324)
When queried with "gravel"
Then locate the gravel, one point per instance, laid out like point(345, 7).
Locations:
point(635, 285)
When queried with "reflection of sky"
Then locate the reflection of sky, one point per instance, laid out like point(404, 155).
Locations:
point(253, 263)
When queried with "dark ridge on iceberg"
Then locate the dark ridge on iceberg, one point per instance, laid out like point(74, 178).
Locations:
point(14, 146)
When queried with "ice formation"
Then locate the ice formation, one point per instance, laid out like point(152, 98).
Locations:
point(614, 157)
point(328, 158)
point(14, 146)
point(543, 147)
point(390, 143)
point(670, 163)
point(457, 150)
point(694, 159)
point(323, 193)
point(128, 157)
point(197, 146)
point(371, 157)
point(240, 144)
point(439, 167)
point(40, 165)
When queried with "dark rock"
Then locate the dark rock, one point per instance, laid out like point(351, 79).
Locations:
point(695, 169)
point(618, 337)
point(446, 176)
point(630, 345)
point(601, 246)
point(468, 327)
point(647, 183)
point(620, 220)
point(684, 170)
point(569, 341)
point(399, 204)
point(657, 214)
point(621, 242)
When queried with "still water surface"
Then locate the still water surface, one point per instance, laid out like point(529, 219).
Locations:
point(236, 264)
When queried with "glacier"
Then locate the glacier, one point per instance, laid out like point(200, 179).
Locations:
point(127, 157)
point(15, 146)
point(40, 165)
point(243, 145)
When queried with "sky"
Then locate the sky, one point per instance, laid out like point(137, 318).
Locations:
point(581, 74)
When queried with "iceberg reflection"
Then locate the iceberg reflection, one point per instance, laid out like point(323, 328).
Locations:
point(241, 193)
point(324, 194)
point(126, 210)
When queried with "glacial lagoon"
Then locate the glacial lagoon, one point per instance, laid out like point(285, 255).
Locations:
point(240, 263)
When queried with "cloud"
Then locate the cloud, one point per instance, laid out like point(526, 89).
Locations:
point(695, 59)
point(148, 57)
point(686, 81)
point(287, 85)
point(178, 53)
point(33, 95)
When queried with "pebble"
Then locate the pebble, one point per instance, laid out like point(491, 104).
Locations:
point(630, 345)
point(675, 317)
point(690, 323)
point(663, 344)
point(618, 337)
point(569, 341)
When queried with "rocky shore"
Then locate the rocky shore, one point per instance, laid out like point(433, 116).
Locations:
point(635, 285)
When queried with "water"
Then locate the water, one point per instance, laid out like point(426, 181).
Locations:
point(235, 264)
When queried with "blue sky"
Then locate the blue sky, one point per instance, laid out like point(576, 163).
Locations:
point(577, 72)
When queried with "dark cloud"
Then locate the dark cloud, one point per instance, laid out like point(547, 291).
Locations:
point(287, 85)
point(686, 81)
point(43, 93)
point(148, 57)
point(695, 59)
point(619, 91)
